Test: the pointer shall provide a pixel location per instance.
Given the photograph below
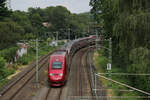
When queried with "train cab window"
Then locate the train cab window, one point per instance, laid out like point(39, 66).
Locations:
point(56, 65)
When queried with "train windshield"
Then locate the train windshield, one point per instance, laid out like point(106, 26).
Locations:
point(56, 65)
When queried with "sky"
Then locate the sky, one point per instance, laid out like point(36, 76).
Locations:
point(75, 6)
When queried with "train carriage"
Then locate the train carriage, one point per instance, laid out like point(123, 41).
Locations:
point(59, 61)
point(58, 68)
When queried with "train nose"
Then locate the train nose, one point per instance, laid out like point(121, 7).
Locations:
point(56, 77)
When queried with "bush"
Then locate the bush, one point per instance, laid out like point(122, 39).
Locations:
point(9, 72)
point(2, 67)
point(4, 72)
point(14, 66)
point(61, 43)
point(9, 54)
point(102, 60)
point(23, 60)
point(27, 58)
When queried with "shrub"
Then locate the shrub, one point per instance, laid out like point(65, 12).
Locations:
point(4, 72)
point(2, 67)
point(9, 54)
point(23, 60)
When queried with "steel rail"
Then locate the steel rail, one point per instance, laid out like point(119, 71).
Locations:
point(19, 78)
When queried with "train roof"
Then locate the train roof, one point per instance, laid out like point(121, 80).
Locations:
point(59, 53)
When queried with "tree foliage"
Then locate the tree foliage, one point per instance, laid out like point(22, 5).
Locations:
point(9, 54)
point(10, 33)
point(2, 67)
point(29, 25)
point(128, 23)
point(4, 12)
point(59, 19)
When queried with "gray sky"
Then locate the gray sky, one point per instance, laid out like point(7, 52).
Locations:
point(75, 6)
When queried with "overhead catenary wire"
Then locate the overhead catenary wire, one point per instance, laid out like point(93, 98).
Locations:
point(101, 97)
point(144, 92)
point(121, 90)
point(126, 74)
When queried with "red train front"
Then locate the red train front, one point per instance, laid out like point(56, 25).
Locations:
point(58, 68)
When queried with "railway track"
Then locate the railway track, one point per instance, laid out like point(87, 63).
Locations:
point(84, 84)
point(54, 94)
point(80, 75)
point(82, 87)
point(19, 83)
point(79, 84)
point(89, 91)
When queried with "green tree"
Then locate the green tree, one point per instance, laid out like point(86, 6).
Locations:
point(22, 19)
point(10, 33)
point(2, 67)
point(128, 23)
point(139, 58)
point(4, 12)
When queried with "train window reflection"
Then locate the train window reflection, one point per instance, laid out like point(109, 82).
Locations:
point(56, 65)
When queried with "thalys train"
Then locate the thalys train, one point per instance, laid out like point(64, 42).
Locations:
point(60, 60)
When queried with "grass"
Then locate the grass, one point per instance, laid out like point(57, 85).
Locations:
point(2, 82)
point(100, 63)
point(33, 94)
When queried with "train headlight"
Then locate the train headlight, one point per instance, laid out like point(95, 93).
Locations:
point(51, 74)
point(60, 74)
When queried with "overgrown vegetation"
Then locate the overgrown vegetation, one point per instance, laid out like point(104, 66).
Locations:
point(31, 55)
point(4, 72)
point(113, 89)
point(41, 23)
point(9, 54)
point(16, 26)
point(24, 60)
point(127, 22)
